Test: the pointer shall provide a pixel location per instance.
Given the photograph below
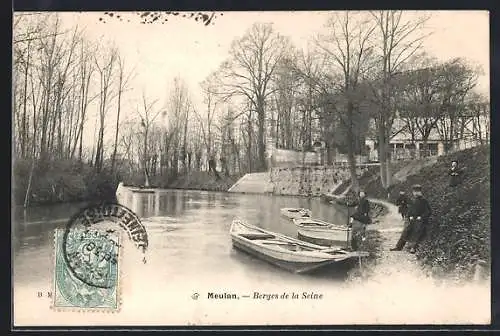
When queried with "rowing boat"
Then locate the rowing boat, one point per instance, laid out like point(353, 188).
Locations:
point(121, 189)
point(145, 190)
point(320, 232)
point(292, 213)
point(286, 252)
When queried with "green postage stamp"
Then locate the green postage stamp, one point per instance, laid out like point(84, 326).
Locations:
point(86, 274)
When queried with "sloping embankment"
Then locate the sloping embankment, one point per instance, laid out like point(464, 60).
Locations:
point(253, 183)
point(459, 230)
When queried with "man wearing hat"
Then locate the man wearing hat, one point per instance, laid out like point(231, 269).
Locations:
point(455, 173)
point(418, 215)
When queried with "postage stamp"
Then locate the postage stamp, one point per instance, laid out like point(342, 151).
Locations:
point(87, 257)
point(86, 272)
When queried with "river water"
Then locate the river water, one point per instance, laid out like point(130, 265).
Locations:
point(190, 252)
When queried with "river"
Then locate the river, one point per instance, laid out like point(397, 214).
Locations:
point(190, 252)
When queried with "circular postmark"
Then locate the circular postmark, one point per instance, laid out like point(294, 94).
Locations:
point(90, 249)
point(91, 256)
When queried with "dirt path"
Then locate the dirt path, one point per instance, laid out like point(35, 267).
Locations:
point(390, 227)
point(397, 290)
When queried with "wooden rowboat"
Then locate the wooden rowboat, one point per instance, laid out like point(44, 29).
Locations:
point(286, 252)
point(292, 213)
point(121, 189)
point(320, 232)
point(144, 190)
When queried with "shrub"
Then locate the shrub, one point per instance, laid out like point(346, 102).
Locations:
point(61, 181)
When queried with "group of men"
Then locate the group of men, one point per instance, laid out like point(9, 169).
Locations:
point(415, 212)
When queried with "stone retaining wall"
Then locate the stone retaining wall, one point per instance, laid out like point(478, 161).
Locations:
point(309, 180)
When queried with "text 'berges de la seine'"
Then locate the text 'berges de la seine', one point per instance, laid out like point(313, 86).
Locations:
point(266, 296)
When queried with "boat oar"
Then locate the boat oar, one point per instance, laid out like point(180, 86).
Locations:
point(348, 230)
point(331, 249)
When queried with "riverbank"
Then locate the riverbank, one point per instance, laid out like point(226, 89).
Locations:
point(458, 238)
point(64, 181)
point(69, 181)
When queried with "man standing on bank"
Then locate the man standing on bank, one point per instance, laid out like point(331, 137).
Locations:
point(359, 220)
point(418, 215)
point(420, 211)
point(455, 174)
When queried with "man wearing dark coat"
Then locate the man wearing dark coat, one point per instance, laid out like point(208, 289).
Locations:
point(417, 219)
point(402, 203)
point(359, 220)
point(455, 174)
point(419, 211)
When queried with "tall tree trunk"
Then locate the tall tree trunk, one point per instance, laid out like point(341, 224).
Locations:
point(350, 149)
point(113, 158)
point(24, 133)
point(381, 152)
point(261, 137)
point(249, 145)
point(184, 144)
point(30, 179)
point(145, 160)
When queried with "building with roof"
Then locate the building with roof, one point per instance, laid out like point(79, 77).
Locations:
point(407, 141)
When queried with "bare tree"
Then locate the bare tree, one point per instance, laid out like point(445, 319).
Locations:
point(250, 70)
point(148, 116)
point(478, 107)
point(348, 51)
point(50, 59)
point(86, 70)
point(123, 81)
point(53, 89)
point(177, 106)
point(458, 78)
point(420, 108)
point(229, 154)
point(128, 142)
point(36, 31)
point(399, 38)
point(285, 102)
point(105, 72)
point(207, 121)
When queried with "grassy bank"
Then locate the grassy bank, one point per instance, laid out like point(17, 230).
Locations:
point(60, 182)
point(459, 229)
point(69, 181)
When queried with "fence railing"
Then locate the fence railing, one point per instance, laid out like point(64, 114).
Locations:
point(409, 154)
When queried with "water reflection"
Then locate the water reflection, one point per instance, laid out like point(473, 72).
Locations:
point(188, 234)
point(190, 249)
point(200, 214)
point(202, 211)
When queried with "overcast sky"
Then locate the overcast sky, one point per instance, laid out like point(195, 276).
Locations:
point(189, 49)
